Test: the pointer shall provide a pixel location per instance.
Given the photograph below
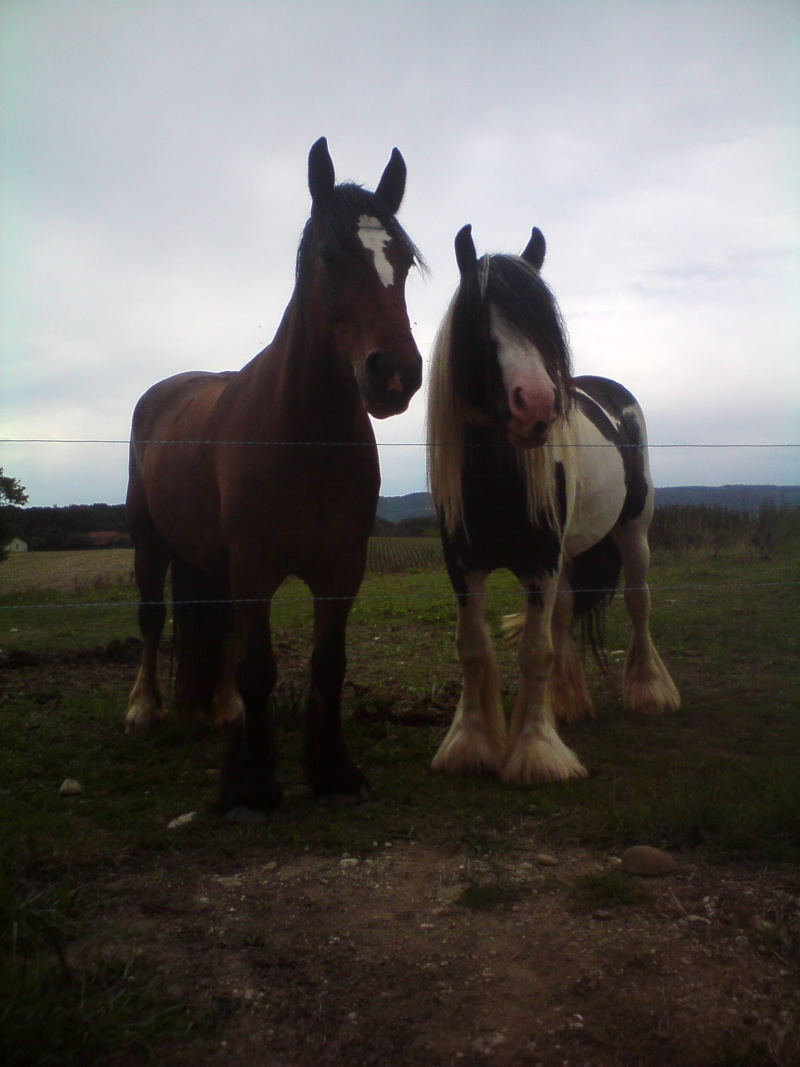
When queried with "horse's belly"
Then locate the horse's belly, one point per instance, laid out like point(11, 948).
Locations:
point(599, 491)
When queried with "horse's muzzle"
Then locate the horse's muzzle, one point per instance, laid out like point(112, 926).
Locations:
point(389, 382)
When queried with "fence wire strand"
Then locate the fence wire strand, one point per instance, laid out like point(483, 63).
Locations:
point(364, 444)
point(691, 587)
point(308, 599)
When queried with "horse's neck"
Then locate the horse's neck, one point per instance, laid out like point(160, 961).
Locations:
point(298, 389)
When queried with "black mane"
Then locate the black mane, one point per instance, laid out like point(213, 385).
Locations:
point(517, 292)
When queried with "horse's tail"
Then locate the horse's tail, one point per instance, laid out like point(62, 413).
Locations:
point(203, 617)
point(593, 576)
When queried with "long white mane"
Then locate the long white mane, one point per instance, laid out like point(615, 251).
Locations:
point(447, 419)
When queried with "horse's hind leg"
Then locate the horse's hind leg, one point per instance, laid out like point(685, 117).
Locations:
point(646, 685)
point(151, 561)
point(567, 691)
point(226, 704)
point(475, 742)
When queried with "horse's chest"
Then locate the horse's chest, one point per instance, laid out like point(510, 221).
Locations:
point(497, 531)
point(309, 505)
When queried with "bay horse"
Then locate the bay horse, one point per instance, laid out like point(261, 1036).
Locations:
point(242, 478)
point(547, 475)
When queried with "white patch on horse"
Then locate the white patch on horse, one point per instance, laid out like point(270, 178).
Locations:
point(597, 495)
point(515, 353)
point(375, 239)
point(615, 421)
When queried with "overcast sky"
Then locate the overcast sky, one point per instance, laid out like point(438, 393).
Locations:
point(154, 166)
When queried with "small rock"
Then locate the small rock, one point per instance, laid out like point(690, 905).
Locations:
point(697, 920)
point(647, 862)
point(544, 859)
point(70, 788)
point(488, 1043)
point(182, 820)
point(348, 861)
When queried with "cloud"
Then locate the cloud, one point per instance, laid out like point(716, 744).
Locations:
point(154, 190)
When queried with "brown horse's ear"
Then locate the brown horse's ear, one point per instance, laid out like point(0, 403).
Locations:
point(535, 249)
point(466, 256)
point(321, 175)
point(393, 182)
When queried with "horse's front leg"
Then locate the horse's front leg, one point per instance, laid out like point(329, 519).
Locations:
point(248, 772)
point(330, 769)
point(475, 742)
point(535, 753)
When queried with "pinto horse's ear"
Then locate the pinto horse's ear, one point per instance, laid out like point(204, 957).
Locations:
point(466, 256)
point(321, 175)
point(393, 182)
point(535, 249)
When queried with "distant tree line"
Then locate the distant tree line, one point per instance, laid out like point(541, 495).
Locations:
point(415, 526)
point(675, 526)
point(12, 495)
point(53, 529)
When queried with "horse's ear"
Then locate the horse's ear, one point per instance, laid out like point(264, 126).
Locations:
point(535, 249)
point(466, 256)
point(321, 175)
point(393, 182)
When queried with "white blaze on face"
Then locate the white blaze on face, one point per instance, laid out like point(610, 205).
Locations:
point(518, 357)
point(375, 239)
point(530, 390)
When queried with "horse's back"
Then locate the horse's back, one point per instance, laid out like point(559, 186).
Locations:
point(179, 398)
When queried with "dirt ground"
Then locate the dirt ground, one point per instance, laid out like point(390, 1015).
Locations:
point(335, 960)
point(420, 955)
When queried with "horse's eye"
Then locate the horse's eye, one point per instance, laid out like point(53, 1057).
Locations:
point(327, 255)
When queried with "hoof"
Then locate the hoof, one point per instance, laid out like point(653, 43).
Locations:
point(334, 775)
point(143, 714)
point(651, 697)
point(249, 791)
point(248, 778)
point(541, 758)
point(469, 752)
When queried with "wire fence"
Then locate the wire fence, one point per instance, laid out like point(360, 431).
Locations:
point(369, 444)
point(126, 604)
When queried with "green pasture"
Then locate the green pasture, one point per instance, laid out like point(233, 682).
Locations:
point(722, 776)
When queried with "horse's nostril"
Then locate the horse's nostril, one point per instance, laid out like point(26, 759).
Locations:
point(374, 366)
point(540, 427)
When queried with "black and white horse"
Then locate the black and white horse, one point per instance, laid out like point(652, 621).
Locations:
point(548, 476)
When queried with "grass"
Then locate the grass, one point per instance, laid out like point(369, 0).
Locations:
point(722, 776)
point(52, 1012)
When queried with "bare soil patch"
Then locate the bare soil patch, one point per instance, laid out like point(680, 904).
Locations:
point(326, 960)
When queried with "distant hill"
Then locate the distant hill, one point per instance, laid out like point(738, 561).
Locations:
point(733, 497)
point(410, 506)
